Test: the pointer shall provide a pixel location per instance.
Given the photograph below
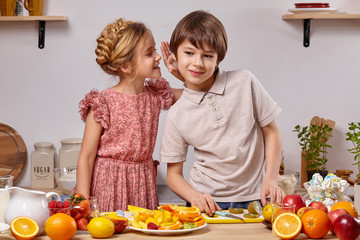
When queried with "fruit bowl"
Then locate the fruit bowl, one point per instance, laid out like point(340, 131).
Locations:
point(65, 178)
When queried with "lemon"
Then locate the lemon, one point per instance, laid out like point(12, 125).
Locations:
point(267, 213)
point(101, 227)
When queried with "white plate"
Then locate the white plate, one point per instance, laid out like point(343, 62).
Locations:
point(312, 10)
point(4, 226)
point(168, 232)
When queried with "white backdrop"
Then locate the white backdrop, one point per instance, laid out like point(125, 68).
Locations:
point(40, 88)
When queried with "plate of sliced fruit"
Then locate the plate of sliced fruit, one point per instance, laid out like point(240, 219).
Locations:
point(169, 232)
point(166, 220)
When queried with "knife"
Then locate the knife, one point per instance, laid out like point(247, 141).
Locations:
point(229, 215)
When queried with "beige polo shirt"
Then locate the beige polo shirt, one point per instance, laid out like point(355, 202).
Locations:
point(224, 127)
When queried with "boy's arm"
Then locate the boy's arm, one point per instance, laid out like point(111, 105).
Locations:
point(87, 154)
point(182, 188)
point(170, 60)
point(273, 147)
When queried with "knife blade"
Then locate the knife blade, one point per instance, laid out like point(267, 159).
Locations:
point(229, 215)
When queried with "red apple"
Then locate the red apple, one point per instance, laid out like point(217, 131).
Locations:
point(294, 199)
point(333, 215)
point(303, 210)
point(319, 205)
point(347, 227)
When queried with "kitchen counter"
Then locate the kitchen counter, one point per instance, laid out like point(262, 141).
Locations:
point(164, 193)
point(212, 231)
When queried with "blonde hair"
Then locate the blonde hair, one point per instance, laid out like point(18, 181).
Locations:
point(117, 43)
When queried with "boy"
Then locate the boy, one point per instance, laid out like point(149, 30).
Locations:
point(227, 117)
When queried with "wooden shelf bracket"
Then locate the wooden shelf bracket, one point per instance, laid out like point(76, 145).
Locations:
point(41, 42)
point(307, 32)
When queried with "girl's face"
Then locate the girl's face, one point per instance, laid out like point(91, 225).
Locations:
point(196, 65)
point(146, 58)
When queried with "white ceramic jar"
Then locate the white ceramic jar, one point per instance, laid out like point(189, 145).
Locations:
point(69, 152)
point(42, 165)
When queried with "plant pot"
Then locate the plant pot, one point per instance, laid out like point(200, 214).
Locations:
point(311, 173)
point(357, 195)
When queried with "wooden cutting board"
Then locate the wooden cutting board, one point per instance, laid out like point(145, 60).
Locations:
point(13, 152)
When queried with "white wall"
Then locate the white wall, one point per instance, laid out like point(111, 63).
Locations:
point(40, 88)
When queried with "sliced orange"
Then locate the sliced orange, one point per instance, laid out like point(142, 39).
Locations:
point(24, 228)
point(189, 213)
point(168, 207)
point(287, 225)
point(175, 226)
point(199, 223)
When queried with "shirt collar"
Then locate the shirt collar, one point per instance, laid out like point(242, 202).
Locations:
point(217, 88)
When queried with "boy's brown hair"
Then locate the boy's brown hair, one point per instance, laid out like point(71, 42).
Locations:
point(200, 27)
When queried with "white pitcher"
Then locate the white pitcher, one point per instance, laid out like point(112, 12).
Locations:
point(33, 204)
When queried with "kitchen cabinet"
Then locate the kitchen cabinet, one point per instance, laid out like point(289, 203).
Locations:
point(41, 19)
point(322, 16)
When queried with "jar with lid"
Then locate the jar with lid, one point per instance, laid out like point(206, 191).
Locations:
point(69, 152)
point(42, 165)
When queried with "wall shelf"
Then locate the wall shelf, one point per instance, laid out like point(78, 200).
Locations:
point(308, 17)
point(41, 19)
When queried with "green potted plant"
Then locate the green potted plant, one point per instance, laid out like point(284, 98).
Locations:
point(353, 135)
point(313, 142)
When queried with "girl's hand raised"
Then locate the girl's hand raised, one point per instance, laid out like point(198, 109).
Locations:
point(170, 60)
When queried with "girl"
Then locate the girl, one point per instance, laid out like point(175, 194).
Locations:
point(115, 162)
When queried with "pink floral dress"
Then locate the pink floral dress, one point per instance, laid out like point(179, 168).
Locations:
point(124, 170)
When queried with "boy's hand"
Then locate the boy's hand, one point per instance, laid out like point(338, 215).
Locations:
point(272, 190)
point(205, 203)
point(170, 60)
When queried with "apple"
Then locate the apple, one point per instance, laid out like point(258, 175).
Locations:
point(120, 223)
point(303, 210)
point(294, 199)
point(333, 215)
point(319, 205)
point(347, 227)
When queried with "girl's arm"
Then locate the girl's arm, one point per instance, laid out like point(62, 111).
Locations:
point(87, 154)
point(182, 188)
point(273, 147)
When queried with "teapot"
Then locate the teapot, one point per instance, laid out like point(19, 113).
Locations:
point(33, 204)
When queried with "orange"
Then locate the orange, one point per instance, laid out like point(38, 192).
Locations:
point(189, 214)
point(168, 207)
point(60, 226)
point(175, 226)
point(199, 223)
point(24, 228)
point(287, 225)
point(316, 223)
point(347, 206)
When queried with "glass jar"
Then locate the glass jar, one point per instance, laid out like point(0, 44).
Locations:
point(42, 165)
point(69, 152)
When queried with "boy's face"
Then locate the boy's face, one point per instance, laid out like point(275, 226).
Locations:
point(196, 65)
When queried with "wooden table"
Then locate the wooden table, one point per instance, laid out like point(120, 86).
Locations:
point(212, 231)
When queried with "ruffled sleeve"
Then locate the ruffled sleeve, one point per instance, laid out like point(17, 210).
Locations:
point(95, 101)
point(161, 88)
